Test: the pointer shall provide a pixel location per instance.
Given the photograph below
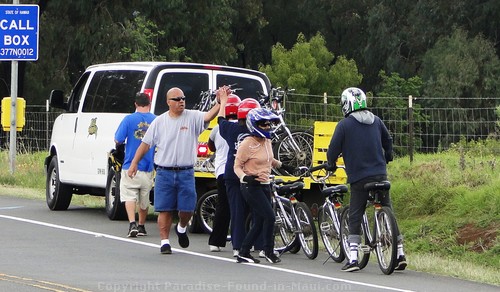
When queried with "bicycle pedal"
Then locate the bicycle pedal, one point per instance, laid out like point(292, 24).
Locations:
point(325, 226)
point(365, 249)
point(278, 220)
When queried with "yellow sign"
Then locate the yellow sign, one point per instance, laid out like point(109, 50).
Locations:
point(20, 113)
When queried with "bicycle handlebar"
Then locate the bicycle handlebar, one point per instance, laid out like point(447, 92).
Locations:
point(318, 167)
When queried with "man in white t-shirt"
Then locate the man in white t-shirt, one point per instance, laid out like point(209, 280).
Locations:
point(175, 135)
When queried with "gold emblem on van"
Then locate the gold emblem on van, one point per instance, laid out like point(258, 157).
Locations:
point(93, 127)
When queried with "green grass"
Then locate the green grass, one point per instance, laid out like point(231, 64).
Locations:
point(447, 205)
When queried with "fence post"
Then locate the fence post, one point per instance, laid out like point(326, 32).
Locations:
point(410, 126)
point(325, 106)
point(46, 124)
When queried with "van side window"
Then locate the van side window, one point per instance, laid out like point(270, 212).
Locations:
point(249, 87)
point(113, 91)
point(77, 93)
point(192, 84)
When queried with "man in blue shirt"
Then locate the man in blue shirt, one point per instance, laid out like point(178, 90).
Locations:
point(136, 190)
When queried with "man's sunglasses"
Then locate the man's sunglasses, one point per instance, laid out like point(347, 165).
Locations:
point(178, 98)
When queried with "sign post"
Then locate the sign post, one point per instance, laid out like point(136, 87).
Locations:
point(19, 42)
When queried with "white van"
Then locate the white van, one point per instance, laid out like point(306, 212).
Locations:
point(83, 136)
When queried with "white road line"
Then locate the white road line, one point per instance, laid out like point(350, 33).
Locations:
point(11, 207)
point(97, 234)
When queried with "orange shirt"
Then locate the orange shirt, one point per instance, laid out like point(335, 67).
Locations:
point(255, 157)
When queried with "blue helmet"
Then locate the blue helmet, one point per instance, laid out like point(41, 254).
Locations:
point(259, 122)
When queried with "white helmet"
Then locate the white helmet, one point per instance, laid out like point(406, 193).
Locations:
point(352, 99)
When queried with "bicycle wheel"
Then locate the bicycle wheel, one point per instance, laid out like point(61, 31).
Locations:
point(363, 257)
point(387, 240)
point(285, 238)
point(308, 236)
point(205, 210)
point(284, 150)
point(329, 229)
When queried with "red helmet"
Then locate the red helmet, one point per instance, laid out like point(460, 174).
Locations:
point(245, 106)
point(233, 101)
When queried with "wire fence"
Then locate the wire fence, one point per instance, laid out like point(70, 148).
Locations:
point(429, 125)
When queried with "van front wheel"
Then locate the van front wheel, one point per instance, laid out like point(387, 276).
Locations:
point(57, 194)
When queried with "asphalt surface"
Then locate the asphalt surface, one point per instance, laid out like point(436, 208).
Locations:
point(81, 250)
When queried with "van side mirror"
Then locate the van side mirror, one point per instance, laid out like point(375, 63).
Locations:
point(56, 99)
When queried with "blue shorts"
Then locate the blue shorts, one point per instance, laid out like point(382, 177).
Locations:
point(175, 190)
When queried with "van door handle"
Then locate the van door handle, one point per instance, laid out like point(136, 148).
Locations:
point(76, 123)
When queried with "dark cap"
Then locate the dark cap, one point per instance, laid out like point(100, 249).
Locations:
point(142, 99)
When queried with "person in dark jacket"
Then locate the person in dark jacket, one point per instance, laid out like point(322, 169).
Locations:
point(366, 147)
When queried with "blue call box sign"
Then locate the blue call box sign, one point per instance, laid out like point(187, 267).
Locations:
point(19, 32)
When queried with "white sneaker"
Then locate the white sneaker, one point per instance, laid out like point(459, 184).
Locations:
point(235, 252)
point(214, 248)
point(262, 254)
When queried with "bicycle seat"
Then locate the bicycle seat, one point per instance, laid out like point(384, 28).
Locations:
point(279, 181)
point(337, 189)
point(378, 185)
point(288, 189)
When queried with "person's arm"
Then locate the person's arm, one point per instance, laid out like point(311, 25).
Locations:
point(241, 158)
point(386, 143)
point(211, 145)
point(219, 107)
point(210, 115)
point(222, 96)
point(211, 139)
point(141, 151)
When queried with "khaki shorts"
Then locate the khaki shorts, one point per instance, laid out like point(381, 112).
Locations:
point(136, 188)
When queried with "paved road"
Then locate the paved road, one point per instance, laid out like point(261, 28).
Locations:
point(81, 250)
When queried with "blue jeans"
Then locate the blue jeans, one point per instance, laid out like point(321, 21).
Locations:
point(175, 190)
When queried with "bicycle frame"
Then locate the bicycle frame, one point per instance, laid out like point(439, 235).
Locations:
point(382, 235)
point(273, 102)
point(280, 211)
point(208, 99)
point(329, 215)
point(298, 221)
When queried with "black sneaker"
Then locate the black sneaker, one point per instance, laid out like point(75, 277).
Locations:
point(183, 238)
point(246, 258)
point(351, 267)
point(132, 230)
point(141, 230)
point(166, 249)
point(401, 263)
point(272, 258)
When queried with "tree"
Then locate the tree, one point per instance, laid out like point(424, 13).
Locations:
point(394, 94)
point(459, 67)
point(309, 68)
point(142, 36)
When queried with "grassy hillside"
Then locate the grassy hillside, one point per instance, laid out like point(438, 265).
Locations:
point(447, 205)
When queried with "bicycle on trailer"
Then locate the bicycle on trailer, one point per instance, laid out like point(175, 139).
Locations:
point(329, 213)
point(381, 236)
point(292, 147)
point(208, 98)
